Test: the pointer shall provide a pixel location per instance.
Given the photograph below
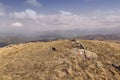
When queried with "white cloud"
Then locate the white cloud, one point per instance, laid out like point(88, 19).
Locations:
point(68, 20)
point(2, 11)
point(33, 3)
point(27, 14)
point(17, 24)
point(64, 12)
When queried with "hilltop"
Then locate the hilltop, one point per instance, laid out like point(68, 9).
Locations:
point(57, 60)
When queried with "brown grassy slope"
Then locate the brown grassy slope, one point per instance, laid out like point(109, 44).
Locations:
point(37, 61)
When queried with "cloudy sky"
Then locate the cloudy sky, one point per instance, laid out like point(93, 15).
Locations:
point(43, 15)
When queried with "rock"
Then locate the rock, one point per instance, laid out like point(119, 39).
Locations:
point(72, 39)
point(90, 55)
point(8, 46)
point(78, 44)
point(98, 65)
point(74, 51)
point(116, 66)
point(77, 51)
point(54, 49)
point(81, 51)
point(84, 54)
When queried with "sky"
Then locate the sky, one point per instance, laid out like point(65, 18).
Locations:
point(46, 15)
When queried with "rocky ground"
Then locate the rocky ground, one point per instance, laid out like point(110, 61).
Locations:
point(61, 60)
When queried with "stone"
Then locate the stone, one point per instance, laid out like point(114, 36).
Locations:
point(90, 55)
point(54, 49)
point(78, 52)
point(74, 51)
point(78, 45)
point(81, 51)
point(116, 66)
point(98, 65)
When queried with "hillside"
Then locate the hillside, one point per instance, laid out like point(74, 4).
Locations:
point(59, 60)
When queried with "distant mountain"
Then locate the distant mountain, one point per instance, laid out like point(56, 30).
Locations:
point(14, 38)
point(3, 44)
point(101, 37)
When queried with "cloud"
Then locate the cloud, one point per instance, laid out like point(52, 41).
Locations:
point(17, 24)
point(27, 14)
point(2, 11)
point(64, 12)
point(67, 20)
point(33, 3)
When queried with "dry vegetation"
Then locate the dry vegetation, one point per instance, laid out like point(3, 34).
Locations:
point(54, 61)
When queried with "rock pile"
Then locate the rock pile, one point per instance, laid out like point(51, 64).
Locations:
point(79, 49)
point(78, 44)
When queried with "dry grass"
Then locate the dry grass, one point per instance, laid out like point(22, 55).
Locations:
point(37, 61)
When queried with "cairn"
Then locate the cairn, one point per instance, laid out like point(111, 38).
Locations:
point(79, 49)
point(77, 44)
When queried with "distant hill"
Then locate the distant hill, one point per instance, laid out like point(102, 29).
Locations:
point(3, 44)
point(11, 38)
point(58, 60)
point(101, 37)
